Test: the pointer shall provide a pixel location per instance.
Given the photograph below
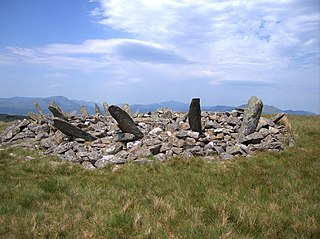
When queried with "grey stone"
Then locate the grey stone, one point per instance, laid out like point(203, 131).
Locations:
point(83, 111)
point(226, 156)
point(106, 107)
point(56, 111)
point(37, 106)
point(125, 137)
point(125, 107)
point(251, 117)
point(156, 131)
point(97, 109)
point(253, 138)
point(278, 117)
point(34, 117)
point(194, 115)
point(72, 130)
point(155, 149)
point(87, 165)
point(125, 122)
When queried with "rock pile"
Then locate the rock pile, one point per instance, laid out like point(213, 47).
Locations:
point(97, 140)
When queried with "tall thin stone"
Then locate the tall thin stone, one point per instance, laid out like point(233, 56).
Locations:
point(251, 117)
point(37, 106)
point(194, 115)
point(56, 111)
point(83, 111)
point(126, 108)
point(125, 122)
point(106, 107)
point(97, 109)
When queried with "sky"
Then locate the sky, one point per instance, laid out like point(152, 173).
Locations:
point(150, 51)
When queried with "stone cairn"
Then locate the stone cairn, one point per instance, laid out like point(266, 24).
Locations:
point(119, 136)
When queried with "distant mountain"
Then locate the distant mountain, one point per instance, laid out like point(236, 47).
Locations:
point(23, 105)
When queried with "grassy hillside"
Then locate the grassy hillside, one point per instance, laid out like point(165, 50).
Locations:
point(270, 195)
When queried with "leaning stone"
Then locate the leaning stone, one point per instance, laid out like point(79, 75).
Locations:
point(37, 106)
point(97, 109)
point(278, 117)
point(194, 115)
point(34, 116)
point(251, 117)
point(72, 130)
point(83, 111)
point(125, 122)
point(29, 158)
point(56, 111)
point(106, 107)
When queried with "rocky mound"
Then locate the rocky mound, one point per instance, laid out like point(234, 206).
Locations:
point(119, 136)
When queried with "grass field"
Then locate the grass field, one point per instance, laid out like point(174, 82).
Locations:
point(270, 195)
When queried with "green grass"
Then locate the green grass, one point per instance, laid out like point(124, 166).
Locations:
point(270, 195)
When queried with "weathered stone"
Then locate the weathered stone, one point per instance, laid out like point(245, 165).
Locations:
point(125, 122)
point(253, 138)
point(87, 165)
point(251, 117)
point(125, 137)
point(194, 115)
point(156, 131)
point(37, 106)
point(106, 107)
point(83, 111)
point(278, 117)
point(226, 156)
point(125, 107)
point(56, 111)
point(141, 151)
point(155, 149)
point(60, 149)
point(72, 130)
point(34, 117)
point(97, 109)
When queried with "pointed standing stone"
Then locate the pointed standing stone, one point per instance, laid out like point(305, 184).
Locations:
point(97, 109)
point(38, 108)
point(56, 111)
point(83, 111)
point(194, 115)
point(251, 117)
point(126, 108)
point(125, 122)
point(278, 117)
point(106, 107)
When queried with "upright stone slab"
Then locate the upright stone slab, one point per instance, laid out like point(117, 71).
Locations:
point(71, 130)
point(83, 111)
point(251, 117)
point(106, 107)
point(56, 111)
point(194, 115)
point(125, 122)
point(126, 108)
point(97, 109)
point(37, 106)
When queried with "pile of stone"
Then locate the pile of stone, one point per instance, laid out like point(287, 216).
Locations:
point(118, 136)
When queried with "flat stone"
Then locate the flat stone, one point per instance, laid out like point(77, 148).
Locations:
point(72, 130)
point(125, 137)
point(253, 138)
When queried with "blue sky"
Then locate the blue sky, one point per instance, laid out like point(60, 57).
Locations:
point(147, 51)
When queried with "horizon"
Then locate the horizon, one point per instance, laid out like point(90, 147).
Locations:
point(144, 52)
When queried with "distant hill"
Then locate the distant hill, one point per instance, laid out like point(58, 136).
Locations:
point(23, 105)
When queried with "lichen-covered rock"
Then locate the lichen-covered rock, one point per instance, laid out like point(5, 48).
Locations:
point(251, 117)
